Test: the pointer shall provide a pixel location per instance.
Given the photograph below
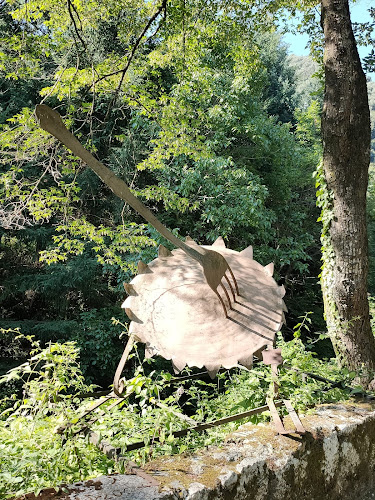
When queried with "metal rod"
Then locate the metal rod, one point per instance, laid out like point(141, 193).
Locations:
point(177, 380)
point(118, 383)
point(50, 121)
point(97, 394)
point(315, 377)
point(100, 414)
point(295, 418)
point(208, 425)
point(276, 417)
point(87, 412)
point(183, 417)
point(115, 453)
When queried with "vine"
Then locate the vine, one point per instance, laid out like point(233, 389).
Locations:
point(39, 450)
point(324, 200)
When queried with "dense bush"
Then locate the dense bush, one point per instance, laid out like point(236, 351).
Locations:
point(38, 449)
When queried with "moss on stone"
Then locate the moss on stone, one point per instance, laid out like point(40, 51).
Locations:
point(291, 466)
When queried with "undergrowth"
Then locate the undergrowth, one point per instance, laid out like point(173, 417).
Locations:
point(38, 449)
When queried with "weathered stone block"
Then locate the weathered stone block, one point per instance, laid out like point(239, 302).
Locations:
point(335, 460)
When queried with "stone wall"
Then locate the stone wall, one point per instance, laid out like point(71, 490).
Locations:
point(334, 460)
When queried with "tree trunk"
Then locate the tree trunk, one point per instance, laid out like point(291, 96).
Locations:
point(346, 157)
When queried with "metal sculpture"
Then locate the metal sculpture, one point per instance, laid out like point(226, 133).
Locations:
point(216, 318)
point(175, 314)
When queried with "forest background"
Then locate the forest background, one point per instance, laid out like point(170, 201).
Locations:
point(213, 125)
point(204, 114)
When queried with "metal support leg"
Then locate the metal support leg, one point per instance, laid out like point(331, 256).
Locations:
point(273, 358)
point(118, 383)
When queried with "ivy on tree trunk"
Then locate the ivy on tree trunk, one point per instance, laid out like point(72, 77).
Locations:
point(346, 157)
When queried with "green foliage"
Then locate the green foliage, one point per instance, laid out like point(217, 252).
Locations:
point(48, 375)
point(308, 130)
point(187, 127)
point(231, 199)
point(371, 226)
point(371, 101)
point(32, 453)
point(97, 337)
point(324, 201)
point(35, 451)
point(279, 92)
point(308, 80)
point(217, 131)
point(109, 244)
point(94, 332)
point(324, 198)
point(365, 36)
point(38, 458)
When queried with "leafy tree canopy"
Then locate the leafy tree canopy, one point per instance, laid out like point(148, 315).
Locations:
point(192, 104)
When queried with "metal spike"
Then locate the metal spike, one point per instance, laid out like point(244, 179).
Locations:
point(129, 289)
point(143, 268)
point(219, 242)
point(178, 365)
point(247, 362)
point(196, 364)
point(272, 357)
point(190, 242)
point(212, 373)
point(285, 309)
point(269, 268)
point(247, 252)
point(230, 363)
point(281, 291)
point(127, 302)
point(212, 369)
point(131, 315)
point(163, 251)
point(258, 354)
point(175, 369)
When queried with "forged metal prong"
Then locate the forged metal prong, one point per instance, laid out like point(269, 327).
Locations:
point(219, 242)
point(129, 289)
point(163, 251)
point(247, 252)
point(269, 268)
point(143, 268)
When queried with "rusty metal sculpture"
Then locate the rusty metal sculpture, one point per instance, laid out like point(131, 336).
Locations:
point(175, 314)
point(197, 305)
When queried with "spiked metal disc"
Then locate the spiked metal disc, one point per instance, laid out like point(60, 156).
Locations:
point(176, 314)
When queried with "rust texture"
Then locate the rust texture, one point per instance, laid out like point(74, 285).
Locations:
point(178, 316)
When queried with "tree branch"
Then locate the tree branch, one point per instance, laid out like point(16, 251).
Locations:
point(71, 7)
point(162, 8)
point(132, 53)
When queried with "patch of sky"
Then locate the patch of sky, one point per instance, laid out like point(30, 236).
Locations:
point(359, 11)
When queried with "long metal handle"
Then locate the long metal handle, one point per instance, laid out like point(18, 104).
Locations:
point(51, 122)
